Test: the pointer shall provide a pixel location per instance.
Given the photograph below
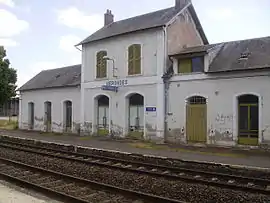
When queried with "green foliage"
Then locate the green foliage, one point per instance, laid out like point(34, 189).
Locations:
point(8, 78)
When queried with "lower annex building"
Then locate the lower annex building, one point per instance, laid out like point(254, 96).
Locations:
point(214, 94)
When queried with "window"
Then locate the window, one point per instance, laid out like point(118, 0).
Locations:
point(191, 65)
point(101, 64)
point(134, 59)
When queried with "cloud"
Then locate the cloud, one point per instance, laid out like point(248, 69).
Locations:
point(74, 18)
point(9, 3)
point(34, 69)
point(6, 42)
point(10, 25)
point(221, 14)
point(67, 43)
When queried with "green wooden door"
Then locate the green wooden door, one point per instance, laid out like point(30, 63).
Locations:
point(248, 122)
point(196, 122)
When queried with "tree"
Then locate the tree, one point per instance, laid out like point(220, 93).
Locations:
point(8, 78)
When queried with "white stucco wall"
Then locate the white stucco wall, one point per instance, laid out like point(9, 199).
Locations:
point(117, 48)
point(149, 84)
point(57, 96)
point(222, 110)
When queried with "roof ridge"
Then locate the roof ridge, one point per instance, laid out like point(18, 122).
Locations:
point(141, 15)
point(241, 40)
point(70, 66)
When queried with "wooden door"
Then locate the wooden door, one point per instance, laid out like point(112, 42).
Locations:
point(196, 122)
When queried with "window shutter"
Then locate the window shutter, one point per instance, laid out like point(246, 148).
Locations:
point(134, 59)
point(130, 60)
point(137, 59)
point(184, 66)
point(101, 64)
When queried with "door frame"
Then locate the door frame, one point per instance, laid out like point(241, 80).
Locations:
point(236, 115)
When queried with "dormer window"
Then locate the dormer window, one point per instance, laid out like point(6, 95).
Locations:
point(191, 65)
point(244, 56)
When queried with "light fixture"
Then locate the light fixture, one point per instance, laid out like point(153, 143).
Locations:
point(111, 59)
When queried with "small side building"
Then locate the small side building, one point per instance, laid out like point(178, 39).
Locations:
point(51, 101)
point(219, 94)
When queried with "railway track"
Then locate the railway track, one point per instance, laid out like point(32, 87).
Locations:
point(235, 182)
point(72, 189)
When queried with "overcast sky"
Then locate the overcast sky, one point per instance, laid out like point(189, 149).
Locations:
point(40, 34)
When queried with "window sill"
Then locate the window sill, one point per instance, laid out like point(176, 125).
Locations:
point(101, 79)
point(186, 74)
point(135, 75)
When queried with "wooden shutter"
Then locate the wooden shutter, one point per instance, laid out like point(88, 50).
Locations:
point(184, 66)
point(137, 60)
point(101, 65)
point(130, 60)
point(134, 59)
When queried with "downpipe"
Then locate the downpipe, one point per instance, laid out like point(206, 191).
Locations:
point(168, 74)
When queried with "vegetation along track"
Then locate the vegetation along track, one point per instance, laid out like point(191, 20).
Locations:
point(70, 188)
point(236, 182)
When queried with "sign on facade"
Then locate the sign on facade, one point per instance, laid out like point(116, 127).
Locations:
point(109, 88)
point(117, 83)
point(151, 109)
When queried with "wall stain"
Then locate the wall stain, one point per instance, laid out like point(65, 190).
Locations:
point(116, 130)
point(176, 135)
point(151, 131)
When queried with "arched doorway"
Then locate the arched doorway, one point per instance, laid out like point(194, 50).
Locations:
point(31, 115)
point(196, 119)
point(48, 116)
point(67, 116)
point(136, 116)
point(248, 119)
point(103, 105)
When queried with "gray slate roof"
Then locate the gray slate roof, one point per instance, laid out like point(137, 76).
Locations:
point(228, 57)
point(147, 21)
point(61, 77)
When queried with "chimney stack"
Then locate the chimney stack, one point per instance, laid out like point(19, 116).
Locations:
point(179, 4)
point(108, 17)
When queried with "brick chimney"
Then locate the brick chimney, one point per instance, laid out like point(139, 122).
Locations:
point(108, 17)
point(179, 4)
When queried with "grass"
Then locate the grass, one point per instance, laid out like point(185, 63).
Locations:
point(152, 146)
point(8, 124)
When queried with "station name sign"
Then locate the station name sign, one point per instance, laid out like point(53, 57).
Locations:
point(113, 85)
point(117, 83)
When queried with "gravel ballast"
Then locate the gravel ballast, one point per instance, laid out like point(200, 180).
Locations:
point(158, 186)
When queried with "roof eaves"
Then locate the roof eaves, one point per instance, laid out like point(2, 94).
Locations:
point(188, 53)
point(53, 87)
point(117, 35)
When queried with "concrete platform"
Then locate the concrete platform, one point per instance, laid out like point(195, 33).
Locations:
point(12, 194)
point(236, 157)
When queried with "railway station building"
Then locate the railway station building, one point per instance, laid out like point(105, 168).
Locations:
point(156, 77)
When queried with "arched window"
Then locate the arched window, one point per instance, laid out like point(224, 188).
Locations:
point(101, 64)
point(134, 59)
point(196, 100)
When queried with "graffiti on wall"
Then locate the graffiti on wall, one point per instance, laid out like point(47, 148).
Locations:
point(223, 119)
point(222, 129)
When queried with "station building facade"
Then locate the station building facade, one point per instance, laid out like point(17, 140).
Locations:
point(156, 77)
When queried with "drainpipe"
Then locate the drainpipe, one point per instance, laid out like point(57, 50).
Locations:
point(166, 78)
